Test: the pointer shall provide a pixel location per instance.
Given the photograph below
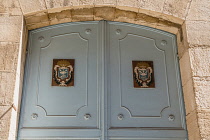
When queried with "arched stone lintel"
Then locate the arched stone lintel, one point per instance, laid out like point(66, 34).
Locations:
point(94, 13)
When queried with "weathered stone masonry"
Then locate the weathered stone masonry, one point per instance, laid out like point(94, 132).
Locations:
point(188, 19)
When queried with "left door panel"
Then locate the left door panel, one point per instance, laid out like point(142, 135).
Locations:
point(47, 109)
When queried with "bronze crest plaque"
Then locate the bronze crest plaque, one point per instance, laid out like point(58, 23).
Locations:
point(63, 72)
point(143, 74)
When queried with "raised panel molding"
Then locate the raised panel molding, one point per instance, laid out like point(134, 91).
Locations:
point(139, 91)
point(57, 48)
point(143, 108)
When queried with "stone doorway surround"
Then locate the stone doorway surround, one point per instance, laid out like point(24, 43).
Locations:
point(190, 26)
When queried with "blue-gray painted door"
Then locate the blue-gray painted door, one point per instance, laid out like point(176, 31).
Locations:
point(103, 103)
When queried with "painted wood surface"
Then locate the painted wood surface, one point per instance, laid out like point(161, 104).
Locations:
point(103, 102)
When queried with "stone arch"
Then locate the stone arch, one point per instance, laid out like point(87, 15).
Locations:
point(93, 13)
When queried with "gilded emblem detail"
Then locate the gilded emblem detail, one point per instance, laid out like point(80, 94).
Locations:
point(143, 74)
point(63, 72)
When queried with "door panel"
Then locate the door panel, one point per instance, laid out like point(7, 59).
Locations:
point(73, 97)
point(143, 133)
point(56, 107)
point(143, 107)
point(147, 139)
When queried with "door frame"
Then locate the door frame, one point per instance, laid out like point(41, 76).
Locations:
point(181, 41)
point(104, 98)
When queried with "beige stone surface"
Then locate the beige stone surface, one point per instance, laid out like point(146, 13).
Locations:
point(199, 10)
point(5, 112)
point(87, 2)
point(189, 97)
point(177, 8)
point(18, 83)
point(200, 61)
point(83, 14)
point(10, 20)
point(10, 33)
point(56, 3)
point(172, 19)
point(202, 88)
point(3, 116)
point(153, 5)
point(130, 3)
point(147, 18)
point(125, 16)
point(38, 25)
point(10, 28)
point(192, 126)
point(7, 88)
point(204, 123)
point(61, 3)
point(107, 13)
point(29, 6)
point(8, 56)
point(167, 27)
point(37, 20)
point(58, 10)
point(128, 9)
point(182, 40)
point(198, 32)
point(185, 68)
point(181, 47)
point(195, 134)
point(60, 17)
point(22, 54)
point(105, 2)
point(10, 7)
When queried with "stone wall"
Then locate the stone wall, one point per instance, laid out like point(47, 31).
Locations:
point(198, 32)
point(188, 19)
point(10, 27)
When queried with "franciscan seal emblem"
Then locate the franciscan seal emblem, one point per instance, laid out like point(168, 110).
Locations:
point(63, 72)
point(143, 74)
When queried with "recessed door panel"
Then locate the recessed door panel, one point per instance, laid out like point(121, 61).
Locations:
point(54, 107)
point(75, 96)
point(131, 106)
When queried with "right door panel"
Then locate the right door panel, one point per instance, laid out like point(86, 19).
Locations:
point(158, 104)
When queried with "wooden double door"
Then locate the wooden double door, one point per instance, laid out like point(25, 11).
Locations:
point(102, 80)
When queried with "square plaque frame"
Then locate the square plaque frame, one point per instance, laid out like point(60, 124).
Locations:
point(63, 72)
point(143, 74)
